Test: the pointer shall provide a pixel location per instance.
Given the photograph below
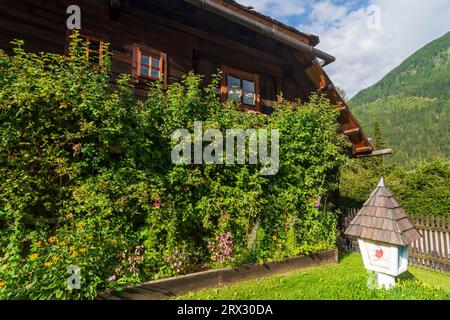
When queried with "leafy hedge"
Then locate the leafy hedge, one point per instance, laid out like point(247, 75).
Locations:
point(422, 190)
point(86, 179)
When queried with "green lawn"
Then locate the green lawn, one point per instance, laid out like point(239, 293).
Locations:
point(344, 281)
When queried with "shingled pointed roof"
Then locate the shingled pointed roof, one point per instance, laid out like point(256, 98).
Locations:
point(383, 219)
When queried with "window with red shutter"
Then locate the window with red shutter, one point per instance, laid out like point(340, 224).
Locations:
point(149, 64)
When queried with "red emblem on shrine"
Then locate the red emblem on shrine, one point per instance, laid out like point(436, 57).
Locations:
point(379, 253)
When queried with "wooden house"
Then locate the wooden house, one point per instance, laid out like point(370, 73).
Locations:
point(259, 57)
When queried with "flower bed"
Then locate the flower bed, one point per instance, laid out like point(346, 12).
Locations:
point(167, 288)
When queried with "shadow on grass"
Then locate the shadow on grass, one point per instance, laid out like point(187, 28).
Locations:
point(406, 276)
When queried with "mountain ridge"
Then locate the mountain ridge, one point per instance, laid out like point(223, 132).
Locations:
point(412, 104)
point(394, 80)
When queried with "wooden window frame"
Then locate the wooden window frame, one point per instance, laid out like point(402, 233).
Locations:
point(138, 51)
point(150, 65)
point(100, 50)
point(88, 35)
point(242, 75)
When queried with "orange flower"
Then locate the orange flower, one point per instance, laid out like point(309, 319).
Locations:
point(74, 254)
point(62, 244)
point(37, 243)
point(55, 259)
point(52, 239)
point(83, 250)
point(2, 284)
point(72, 248)
point(48, 264)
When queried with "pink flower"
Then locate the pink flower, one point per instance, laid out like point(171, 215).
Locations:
point(112, 278)
point(317, 204)
point(156, 204)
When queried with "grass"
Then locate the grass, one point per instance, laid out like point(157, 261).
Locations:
point(344, 281)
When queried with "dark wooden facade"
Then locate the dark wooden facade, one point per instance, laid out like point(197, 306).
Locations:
point(191, 38)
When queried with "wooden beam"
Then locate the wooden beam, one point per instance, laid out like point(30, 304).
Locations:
point(363, 149)
point(376, 153)
point(352, 131)
point(325, 86)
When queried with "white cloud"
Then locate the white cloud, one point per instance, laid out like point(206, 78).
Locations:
point(327, 13)
point(276, 8)
point(363, 55)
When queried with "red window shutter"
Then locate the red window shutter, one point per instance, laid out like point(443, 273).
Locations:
point(134, 64)
point(164, 68)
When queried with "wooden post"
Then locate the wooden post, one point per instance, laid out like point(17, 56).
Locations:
point(440, 235)
point(428, 245)
point(420, 260)
point(434, 232)
point(446, 252)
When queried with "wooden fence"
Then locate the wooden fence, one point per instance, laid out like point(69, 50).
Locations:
point(432, 252)
point(348, 243)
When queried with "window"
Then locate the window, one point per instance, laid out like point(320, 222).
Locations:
point(150, 66)
point(95, 45)
point(148, 63)
point(94, 50)
point(241, 91)
point(240, 87)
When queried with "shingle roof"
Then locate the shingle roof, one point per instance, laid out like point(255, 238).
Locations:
point(383, 219)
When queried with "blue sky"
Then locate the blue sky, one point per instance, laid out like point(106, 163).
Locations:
point(301, 18)
point(368, 37)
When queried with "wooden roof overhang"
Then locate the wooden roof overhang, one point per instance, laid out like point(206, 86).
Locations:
point(308, 38)
point(349, 126)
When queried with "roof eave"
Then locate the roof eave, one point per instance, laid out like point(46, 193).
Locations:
point(310, 39)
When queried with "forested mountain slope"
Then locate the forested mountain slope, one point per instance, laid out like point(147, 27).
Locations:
point(412, 105)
